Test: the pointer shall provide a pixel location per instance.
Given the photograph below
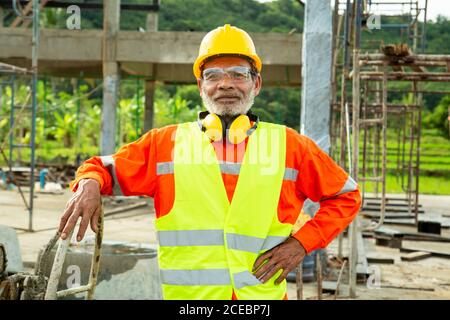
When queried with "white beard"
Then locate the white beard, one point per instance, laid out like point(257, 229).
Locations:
point(228, 110)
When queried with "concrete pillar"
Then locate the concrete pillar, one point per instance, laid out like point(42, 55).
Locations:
point(149, 102)
point(111, 23)
point(316, 72)
point(152, 21)
point(2, 15)
point(316, 78)
point(152, 25)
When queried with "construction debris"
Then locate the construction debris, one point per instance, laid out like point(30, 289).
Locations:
point(415, 256)
point(429, 227)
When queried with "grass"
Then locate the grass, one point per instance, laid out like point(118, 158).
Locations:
point(427, 185)
point(434, 164)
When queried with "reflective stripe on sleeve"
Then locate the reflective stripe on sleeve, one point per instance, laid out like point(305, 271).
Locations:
point(109, 163)
point(350, 185)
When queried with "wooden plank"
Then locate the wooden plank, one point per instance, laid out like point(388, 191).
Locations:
point(374, 214)
point(435, 248)
point(389, 209)
point(362, 267)
point(380, 260)
point(421, 236)
point(415, 256)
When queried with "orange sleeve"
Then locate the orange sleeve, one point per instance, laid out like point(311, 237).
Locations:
point(322, 180)
point(93, 168)
point(130, 171)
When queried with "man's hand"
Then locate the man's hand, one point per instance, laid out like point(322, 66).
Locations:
point(286, 256)
point(85, 203)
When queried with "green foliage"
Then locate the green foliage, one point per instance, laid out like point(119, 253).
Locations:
point(438, 118)
point(174, 109)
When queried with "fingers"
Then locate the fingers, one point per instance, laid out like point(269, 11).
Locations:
point(282, 276)
point(84, 224)
point(265, 267)
point(67, 211)
point(94, 219)
point(262, 258)
point(70, 225)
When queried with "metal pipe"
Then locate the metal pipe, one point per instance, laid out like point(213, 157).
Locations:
point(52, 292)
point(34, 65)
point(55, 274)
point(424, 27)
point(384, 154)
point(355, 155)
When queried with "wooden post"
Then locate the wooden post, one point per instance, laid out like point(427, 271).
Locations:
point(299, 281)
point(111, 23)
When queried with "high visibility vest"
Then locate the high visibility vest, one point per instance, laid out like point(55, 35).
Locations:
point(207, 245)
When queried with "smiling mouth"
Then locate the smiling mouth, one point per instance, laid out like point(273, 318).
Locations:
point(227, 99)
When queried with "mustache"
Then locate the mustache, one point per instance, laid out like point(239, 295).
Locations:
point(236, 95)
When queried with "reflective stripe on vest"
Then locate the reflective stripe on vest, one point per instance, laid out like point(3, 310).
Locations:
point(173, 238)
point(226, 168)
point(207, 245)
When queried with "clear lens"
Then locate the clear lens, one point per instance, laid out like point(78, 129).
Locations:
point(237, 74)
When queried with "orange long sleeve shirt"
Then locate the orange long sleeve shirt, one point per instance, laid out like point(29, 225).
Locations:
point(138, 169)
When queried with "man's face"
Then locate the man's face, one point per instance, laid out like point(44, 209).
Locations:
point(228, 96)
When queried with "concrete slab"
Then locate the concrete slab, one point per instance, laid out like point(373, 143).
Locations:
point(8, 238)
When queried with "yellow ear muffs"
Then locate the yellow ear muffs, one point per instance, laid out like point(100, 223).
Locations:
point(212, 125)
point(237, 131)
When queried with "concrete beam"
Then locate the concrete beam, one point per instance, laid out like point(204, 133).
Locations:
point(69, 52)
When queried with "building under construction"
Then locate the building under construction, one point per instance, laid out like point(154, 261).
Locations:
point(350, 116)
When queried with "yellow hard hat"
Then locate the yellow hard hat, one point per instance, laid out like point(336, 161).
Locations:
point(226, 40)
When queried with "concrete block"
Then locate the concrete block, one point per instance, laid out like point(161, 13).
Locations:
point(128, 271)
point(8, 237)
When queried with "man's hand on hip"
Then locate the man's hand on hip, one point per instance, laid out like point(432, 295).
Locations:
point(85, 203)
point(286, 256)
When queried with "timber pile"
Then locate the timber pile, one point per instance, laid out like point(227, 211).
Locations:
point(61, 174)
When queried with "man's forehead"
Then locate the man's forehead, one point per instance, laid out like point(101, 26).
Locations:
point(226, 62)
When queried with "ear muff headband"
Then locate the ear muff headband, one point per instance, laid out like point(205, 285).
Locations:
point(214, 126)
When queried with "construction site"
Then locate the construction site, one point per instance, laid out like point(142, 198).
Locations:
point(361, 97)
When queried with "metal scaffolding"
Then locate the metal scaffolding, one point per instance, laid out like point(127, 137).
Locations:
point(23, 15)
point(364, 110)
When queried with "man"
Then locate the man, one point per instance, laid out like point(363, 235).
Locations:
point(227, 188)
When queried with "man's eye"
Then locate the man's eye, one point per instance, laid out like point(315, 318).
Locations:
point(212, 76)
point(238, 75)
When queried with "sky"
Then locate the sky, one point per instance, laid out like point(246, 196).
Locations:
point(435, 7)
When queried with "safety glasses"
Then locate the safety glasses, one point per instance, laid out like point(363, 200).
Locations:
point(235, 73)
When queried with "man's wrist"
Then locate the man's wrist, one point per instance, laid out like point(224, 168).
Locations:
point(89, 181)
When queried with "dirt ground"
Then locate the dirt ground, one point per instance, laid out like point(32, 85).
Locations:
point(424, 279)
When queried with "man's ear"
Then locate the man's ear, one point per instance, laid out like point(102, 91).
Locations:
point(199, 85)
point(258, 84)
